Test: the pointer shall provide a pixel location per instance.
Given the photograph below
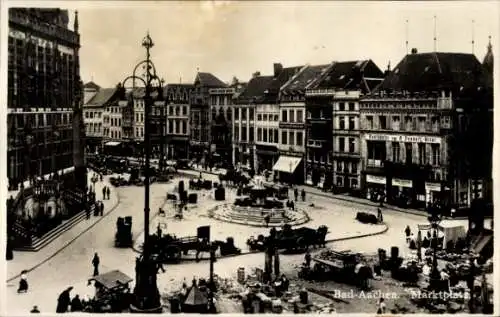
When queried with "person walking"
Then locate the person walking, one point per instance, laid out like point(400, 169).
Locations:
point(381, 306)
point(303, 194)
point(108, 191)
point(95, 263)
point(23, 283)
point(407, 232)
point(379, 215)
point(101, 208)
point(104, 193)
point(307, 258)
point(35, 310)
point(64, 300)
point(296, 193)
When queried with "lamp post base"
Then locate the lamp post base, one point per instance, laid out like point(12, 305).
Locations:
point(146, 297)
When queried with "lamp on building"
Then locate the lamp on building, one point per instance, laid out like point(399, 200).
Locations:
point(146, 294)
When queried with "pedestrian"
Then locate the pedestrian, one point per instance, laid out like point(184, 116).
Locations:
point(292, 205)
point(101, 208)
point(95, 263)
point(408, 232)
point(296, 193)
point(303, 194)
point(267, 219)
point(108, 191)
point(381, 306)
point(379, 215)
point(64, 301)
point(23, 283)
point(76, 304)
point(35, 310)
point(307, 258)
point(104, 193)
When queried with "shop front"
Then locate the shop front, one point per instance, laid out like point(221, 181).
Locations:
point(432, 192)
point(319, 176)
point(289, 169)
point(177, 148)
point(267, 156)
point(376, 187)
point(401, 192)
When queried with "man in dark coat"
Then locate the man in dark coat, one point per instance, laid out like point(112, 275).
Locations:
point(303, 194)
point(76, 304)
point(95, 263)
point(64, 300)
point(296, 194)
point(104, 193)
point(101, 208)
point(108, 191)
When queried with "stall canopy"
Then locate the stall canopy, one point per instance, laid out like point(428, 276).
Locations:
point(112, 143)
point(196, 301)
point(451, 230)
point(112, 279)
point(287, 164)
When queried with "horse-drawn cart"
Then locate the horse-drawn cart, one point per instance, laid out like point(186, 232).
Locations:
point(296, 240)
point(344, 266)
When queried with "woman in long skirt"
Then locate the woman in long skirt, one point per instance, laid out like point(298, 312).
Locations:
point(23, 282)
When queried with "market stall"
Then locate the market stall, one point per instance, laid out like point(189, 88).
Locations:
point(449, 231)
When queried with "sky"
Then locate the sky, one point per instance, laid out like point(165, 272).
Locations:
point(238, 38)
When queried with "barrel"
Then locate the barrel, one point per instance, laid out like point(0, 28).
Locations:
point(394, 252)
point(241, 275)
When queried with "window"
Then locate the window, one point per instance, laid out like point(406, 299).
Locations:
point(435, 124)
point(243, 134)
point(264, 117)
point(369, 120)
point(396, 152)
point(264, 135)
point(290, 138)
point(276, 134)
point(237, 114)
point(299, 136)
point(300, 116)
point(284, 116)
point(396, 123)
point(250, 114)
point(284, 138)
point(259, 117)
point(342, 123)
point(214, 114)
point(243, 114)
point(259, 134)
point(408, 123)
point(352, 124)
point(184, 127)
point(276, 118)
point(252, 135)
point(339, 167)
point(409, 153)
point(352, 106)
point(352, 145)
point(292, 115)
point(422, 155)
point(382, 122)
point(354, 168)
point(341, 106)
point(184, 111)
point(271, 135)
point(436, 154)
point(421, 123)
point(341, 144)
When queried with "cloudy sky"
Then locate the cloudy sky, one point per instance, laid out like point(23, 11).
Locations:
point(238, 38)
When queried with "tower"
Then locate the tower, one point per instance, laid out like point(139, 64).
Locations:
point(78, 126)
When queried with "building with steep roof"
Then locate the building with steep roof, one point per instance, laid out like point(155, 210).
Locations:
point(332, 104)
point(200, 114)
point(292, 123)
point(417, 137)
point(177, 97)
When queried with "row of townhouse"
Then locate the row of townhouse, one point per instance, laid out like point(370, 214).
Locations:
point(419, 134)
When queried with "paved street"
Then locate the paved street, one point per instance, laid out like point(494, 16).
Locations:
point(72, 266)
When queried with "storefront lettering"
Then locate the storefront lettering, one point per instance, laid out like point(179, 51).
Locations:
point(375, 179)
point(402, 182)
point(433, 187)
point(402, 138)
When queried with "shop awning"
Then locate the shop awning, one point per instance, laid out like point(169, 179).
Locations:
point(112, 143)
point(287, 164)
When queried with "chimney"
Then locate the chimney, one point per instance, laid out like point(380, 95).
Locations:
point(414, 51)
point(278, 68)
point(256, 74)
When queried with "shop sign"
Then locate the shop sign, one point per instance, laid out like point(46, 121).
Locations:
point(402, 138)
point(434, 187)
point(375, 179)
point(402, 182)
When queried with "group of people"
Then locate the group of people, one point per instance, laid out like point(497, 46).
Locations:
point(296, 194)
point(65, 303)
point(106, 193)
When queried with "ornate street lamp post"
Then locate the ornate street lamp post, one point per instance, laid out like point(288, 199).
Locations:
point(146, 294)
point(434, 219)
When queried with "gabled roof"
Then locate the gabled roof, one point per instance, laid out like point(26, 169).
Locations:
point(209, 80)
point(304, 78)
point(91, 85)
point(176, 89)
point(103, 96)
point(359, 74)
point(256, 89)
point(422, 72)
